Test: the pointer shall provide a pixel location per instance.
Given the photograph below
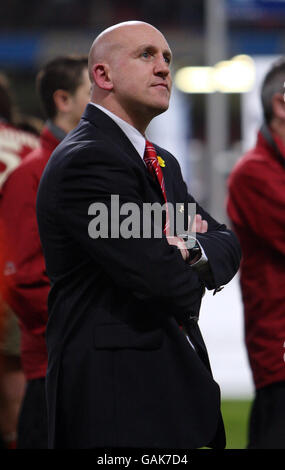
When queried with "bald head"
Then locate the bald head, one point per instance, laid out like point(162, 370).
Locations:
point(129, 68)
point(108, 43)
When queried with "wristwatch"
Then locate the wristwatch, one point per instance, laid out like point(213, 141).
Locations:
point(192, 246)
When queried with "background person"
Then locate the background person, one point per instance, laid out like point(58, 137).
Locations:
point(256, 207)
point(64, 89)
point(15, 144)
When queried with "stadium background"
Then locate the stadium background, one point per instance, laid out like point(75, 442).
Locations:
point(206, 131)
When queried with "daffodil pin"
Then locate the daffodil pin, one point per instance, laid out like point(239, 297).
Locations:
point(161, 161)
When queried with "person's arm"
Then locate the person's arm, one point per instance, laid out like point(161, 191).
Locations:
point(24, 270)
point(220, 245)
point(222, 250)
point(148, 267)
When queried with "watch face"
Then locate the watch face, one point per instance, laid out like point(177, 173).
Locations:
point(190, 241)
point(193, 244)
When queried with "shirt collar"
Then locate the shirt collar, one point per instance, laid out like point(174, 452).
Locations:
point(136, 138)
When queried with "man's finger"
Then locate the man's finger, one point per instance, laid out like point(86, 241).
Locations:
point(197, 223)
point(204, 226)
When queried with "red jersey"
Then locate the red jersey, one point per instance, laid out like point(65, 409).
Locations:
point(15, 144)
point(256, 207)
point(25, 272)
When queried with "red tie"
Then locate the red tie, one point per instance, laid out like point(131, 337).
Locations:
point(153, 167)
point(151, 161)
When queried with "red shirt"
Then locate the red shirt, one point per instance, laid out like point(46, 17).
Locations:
point(256, 207)
point(25, 273)
point(15, 144)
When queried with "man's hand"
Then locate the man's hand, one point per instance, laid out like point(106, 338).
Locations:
point(180, 245)
point(199, 226)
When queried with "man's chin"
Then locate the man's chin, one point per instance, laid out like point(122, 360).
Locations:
point(159, 108)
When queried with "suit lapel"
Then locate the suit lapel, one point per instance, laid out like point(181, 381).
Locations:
point(115, 134)
point(112, 131)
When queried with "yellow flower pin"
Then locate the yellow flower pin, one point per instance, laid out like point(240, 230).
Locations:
point(161, 161)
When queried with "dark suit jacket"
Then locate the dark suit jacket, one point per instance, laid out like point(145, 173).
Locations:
point(121, 372)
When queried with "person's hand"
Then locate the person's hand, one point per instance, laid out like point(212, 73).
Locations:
point(176, 241)
point(199, 226)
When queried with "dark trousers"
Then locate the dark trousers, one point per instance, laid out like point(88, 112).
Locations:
point(32, 425)
point(267, 420)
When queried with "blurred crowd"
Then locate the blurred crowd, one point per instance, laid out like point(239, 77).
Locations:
point(26, 143)
point(19, 135)
point(69, 13)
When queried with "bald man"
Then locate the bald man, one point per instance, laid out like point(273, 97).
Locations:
point(127, 363)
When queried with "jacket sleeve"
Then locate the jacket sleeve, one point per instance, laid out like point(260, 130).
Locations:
point(222, 249)
point(147, 266)
point(220, 244)
point(25, 274)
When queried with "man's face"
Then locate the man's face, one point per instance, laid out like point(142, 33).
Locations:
point(140, 70)
point(80, 99)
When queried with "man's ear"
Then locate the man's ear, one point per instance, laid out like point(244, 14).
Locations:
point(278, 106)
point(62, 100)
point(102, 77)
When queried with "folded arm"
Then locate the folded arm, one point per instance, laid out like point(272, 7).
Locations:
point(148, 267)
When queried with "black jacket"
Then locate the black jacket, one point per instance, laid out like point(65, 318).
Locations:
point(121, 372)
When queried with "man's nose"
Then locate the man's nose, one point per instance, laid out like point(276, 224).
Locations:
point(161, 66)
